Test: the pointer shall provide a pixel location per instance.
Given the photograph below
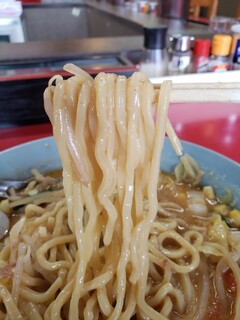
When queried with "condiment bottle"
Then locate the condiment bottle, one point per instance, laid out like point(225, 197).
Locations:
point(201, 53)
point(235, 29)
point(180, 55)
point(154, 61)
point(236, 58)
point(219, 60)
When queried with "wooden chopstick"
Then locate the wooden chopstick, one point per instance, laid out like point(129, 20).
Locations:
point(204, 92)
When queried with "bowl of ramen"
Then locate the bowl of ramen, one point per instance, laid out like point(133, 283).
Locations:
point(220, 172)
point(100, 232)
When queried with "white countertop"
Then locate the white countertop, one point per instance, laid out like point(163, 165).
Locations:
point(229, 76)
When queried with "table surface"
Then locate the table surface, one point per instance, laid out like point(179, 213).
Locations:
point(215, 126)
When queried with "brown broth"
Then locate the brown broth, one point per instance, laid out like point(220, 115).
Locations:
point(170, 191)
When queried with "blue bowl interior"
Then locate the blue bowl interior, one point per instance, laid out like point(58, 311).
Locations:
point(220, 172)
point(17, 162)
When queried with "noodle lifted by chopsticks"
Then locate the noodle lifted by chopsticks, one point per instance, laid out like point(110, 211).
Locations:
point(110, 150)
point(108, 248)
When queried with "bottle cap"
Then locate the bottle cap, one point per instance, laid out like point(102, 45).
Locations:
point(236, 28)
point(181, 43)
point(202, 47)
point(221, 44)
point(155, 38)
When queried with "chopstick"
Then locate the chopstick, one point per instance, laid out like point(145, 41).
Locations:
point(204, 92)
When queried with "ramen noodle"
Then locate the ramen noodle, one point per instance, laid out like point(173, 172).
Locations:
point(120, 240)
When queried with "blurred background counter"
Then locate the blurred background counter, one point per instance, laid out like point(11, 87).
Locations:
point(37, 39)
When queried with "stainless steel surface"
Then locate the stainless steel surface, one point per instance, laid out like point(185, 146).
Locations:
point(181, 43)
point(73, 21)
point(74, 46)
point(5, 185)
